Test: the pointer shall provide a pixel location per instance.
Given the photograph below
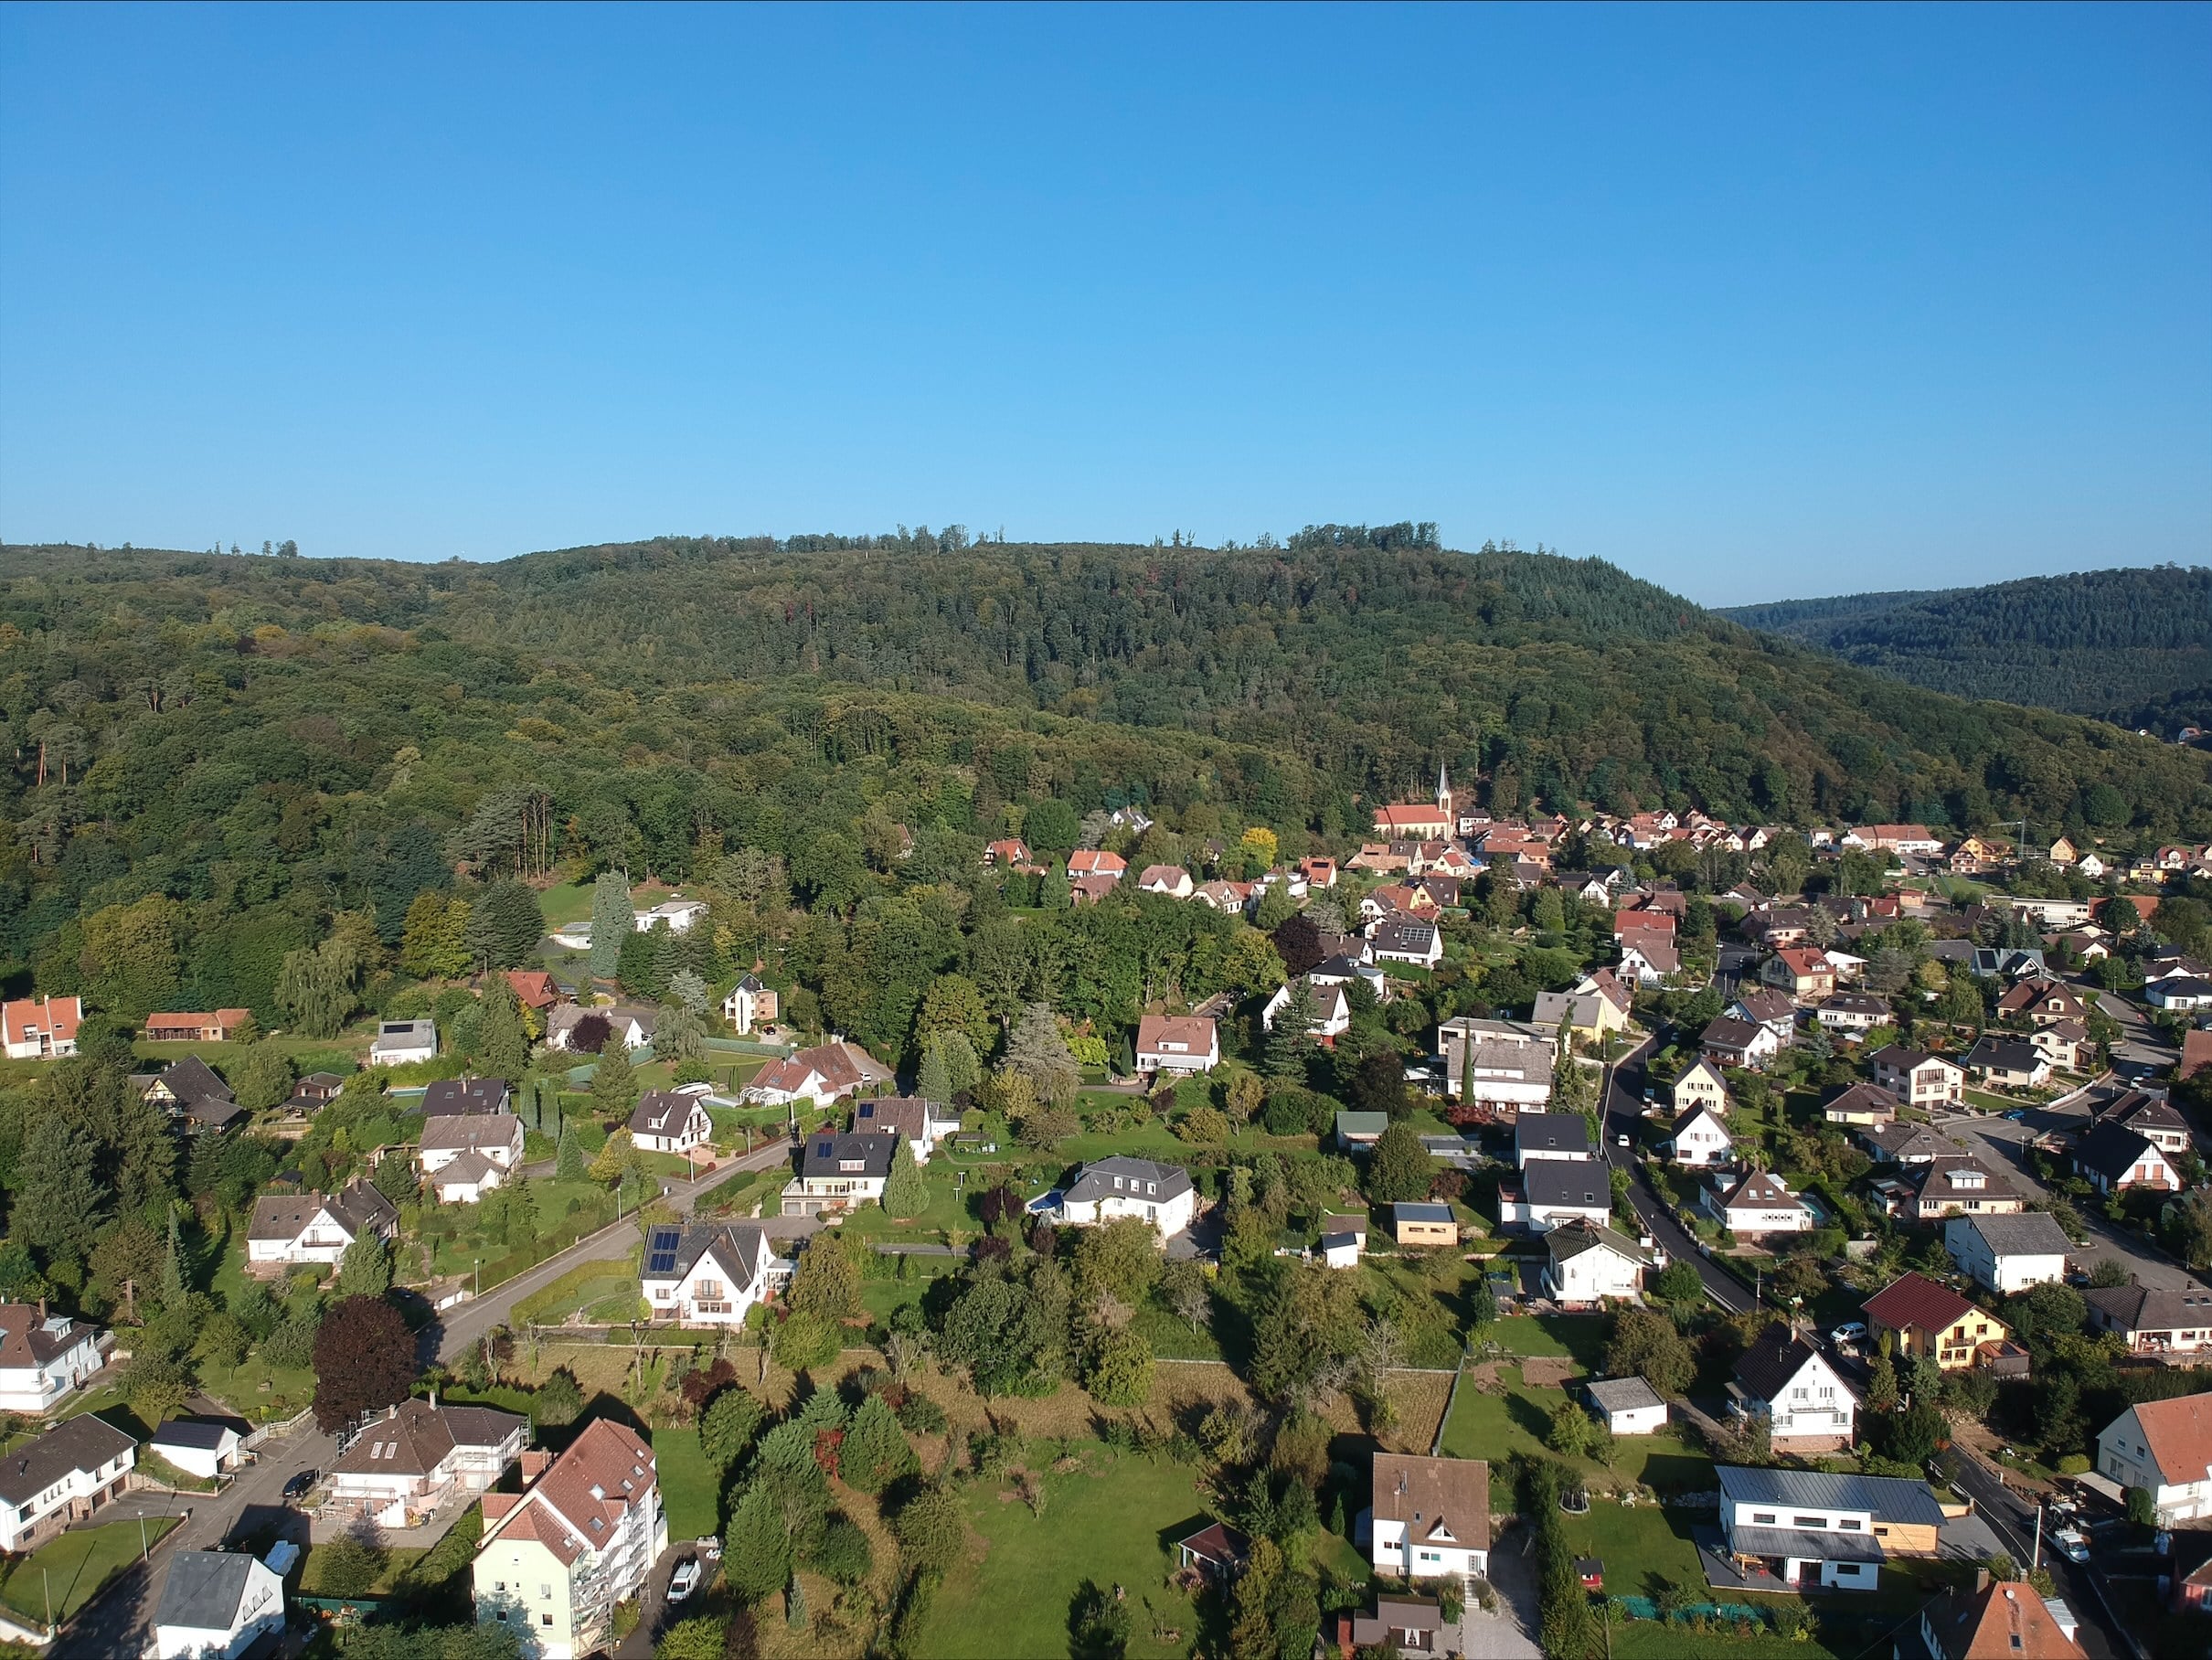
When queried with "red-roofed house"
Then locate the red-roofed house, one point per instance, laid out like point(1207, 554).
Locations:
point(555, 1559)
point(217, 1027)
point(40, 1028)
point(828, 1072)
point(2165, 1446)
point(1096, 861)
point(2195, 1051)
point(1014, 854)
point(1169, 881)
point(1801, 971)
point(1932, 1319)
point(1178, 1044)
point(534, 987)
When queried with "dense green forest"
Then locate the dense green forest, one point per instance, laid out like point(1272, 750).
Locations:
point(2113, 644)
point(212, 756)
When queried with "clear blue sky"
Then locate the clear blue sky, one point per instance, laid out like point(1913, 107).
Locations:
point(1753, 301)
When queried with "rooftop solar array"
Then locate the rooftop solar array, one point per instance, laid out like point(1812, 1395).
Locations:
point(660, 1248)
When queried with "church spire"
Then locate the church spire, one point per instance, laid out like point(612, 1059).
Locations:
point(1444, 798)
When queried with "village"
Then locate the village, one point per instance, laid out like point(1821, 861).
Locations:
point(1549, 1235)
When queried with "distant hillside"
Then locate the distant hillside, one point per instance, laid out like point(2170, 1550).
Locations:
point(2113, 644)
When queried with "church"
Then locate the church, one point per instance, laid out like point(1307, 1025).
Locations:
point(1416, 821)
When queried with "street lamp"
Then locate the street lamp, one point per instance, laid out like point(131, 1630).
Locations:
point(477, 1268)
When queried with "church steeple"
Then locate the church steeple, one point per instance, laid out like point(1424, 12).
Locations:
point(1444, 798)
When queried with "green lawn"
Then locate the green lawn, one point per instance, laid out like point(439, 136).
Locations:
point(581, 1287)
point(1580, 1338)
point(1109, 1522)
point(74, 1566)
point(687, 1485)
point(1484, 1425)
point(290, 1390)
point(1640, 1546)
point(397, 1562)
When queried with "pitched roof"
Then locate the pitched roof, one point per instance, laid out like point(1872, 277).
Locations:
point(471, 1131)
point(443, 1097)
point(828, 1151)
point(2153, 1308)
point(1776, 1358)
point(83, 1443)
point(2178, 1430)
point(1095, 1180)
point(191, 1080)
point(1728, 1033)
point(279, 1216)
point(1570, 1240)
point(1761, 1188)
point(1862, 1098)
point(1623, 1394)
point(204, 1434)
point(1767, 1003)
point(662, 1112)
point(672, 1251)
point(417, 1437)
point(2112, 1149)
point(1549, 1182)
point(1188, 1035)
point(579, 1501)
point(1551, 1133)
point(204, 1590)
point(2005, 1619)
point(1893, 1498)
point(2032, 1233)
point(1445, 1499)
point(1950, 1175)
point(1914, 1300)
point(28, 1338)
point(2004, 1055)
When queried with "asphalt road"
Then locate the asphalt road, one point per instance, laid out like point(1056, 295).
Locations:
point(2012, 1518)
point(2142, 1052)
point(1623, 1108)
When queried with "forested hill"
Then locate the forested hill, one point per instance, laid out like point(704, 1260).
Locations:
point(2105, 643)
point(200, 720)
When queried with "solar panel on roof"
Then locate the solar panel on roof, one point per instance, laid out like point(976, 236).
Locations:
point(660, 1251)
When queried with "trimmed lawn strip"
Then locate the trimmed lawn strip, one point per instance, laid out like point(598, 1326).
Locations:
point(688, 1489)
point(75, 1565)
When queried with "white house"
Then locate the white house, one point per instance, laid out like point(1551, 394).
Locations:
point(2166, 1448)
point(292, 1230)
point(205, 1447)
point(1343, 1239)
point(706, 1273)
point(40, 1028)
point(924, 1123)
point(1700, 1139)
point(681, 915)
point(2008, 1253)
point(1169, 881)
point(2181, 993)
point(1499, 1064)
point(43, 1356)
point(1760, 1203)
point(1181, 1045)
point(1589, 1264)
point(1429, 1517)
point(399, 1043)
point(838, 1171)
point(1332, 1008)
point(59, 1477)
point(1552, 1191)
point(750, 1006)
point(1538, 1136)
point(1701, 1085)
point(1626, 1406)
point(216, 1604)
point(668, 1122)
point(824, 1074)
point(1109, 1188)
point(1784, 1379)
point(1411, 939)
point(495, 1137)
point(631, 1028)
point(1834, 1531)
point(407, 1463)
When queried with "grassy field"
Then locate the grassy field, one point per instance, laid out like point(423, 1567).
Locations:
point(688, 1486)
point(74, 1566)
point(581, 1288)
point(397, 1564)
point(1110, 1520)
point(1491, 1425)
point(1579, 1337)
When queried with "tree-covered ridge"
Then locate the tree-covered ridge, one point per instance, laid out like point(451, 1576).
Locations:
point(2098, 642)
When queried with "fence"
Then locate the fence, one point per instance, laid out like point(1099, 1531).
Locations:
point(276, 1431)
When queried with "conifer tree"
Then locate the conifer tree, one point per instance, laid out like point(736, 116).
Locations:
point(503, 1050)
point(904, 1194)
point(613, 1084)
point(612, 921)
point(568, 1158)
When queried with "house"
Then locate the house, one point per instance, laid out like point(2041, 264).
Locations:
point(2195, 1051)
point(43, 1356)
point(464, 1155)
point(1550, 1135)
point(1929, 1318)
point(220, 1027)
point(1111, 1188)
point(1096, 861)
point(2042, 1001)
point(1358, 1132)
point(1701, 1085)
point(1410, 939)
point(1730, 1042)
point(1764, 1006)
point(838, 1171)
point(1332, 1008)
point(1169, 881)
point(824, 1075)
point(1501, 1066)
point(1626, 1406)
point(216, 1604)
point(2152, 1117)
point(1976, 855)
point(2153, 1320)
point(1423, 1223)
point(1216, 1551)
point(1551, 1191)
point(1756, 1204)
point(1955, 1184)
point(1918, 1079)
point(61, 1477)
point(1700, 1139)
point(1429, 1517)
point(1786, 1379)
point(1995, 1620)
point(669, 1121)
point(1319, 872)
point(1587, 1015)
point(399, 1043)
point(2008, 1063)
point(40, 1028)
point(190, 1088)
point(2063, 852)
point(404, 1466)
point(680, 915)
point(1343, 1239)
point(445, 1097)
point(749, 1006)
point(205, 1447)
point(1895, 839)
point(1419, 821)
point(1807, 1527)
point(580, 1539)
point(293, 1230)
point(2008, 1253)
point(706, 1274)
point(1586, 1264)
point(2065, 1044)
point(2166, 1448)
point(1802, 972)
point(313, 1092)
point(2115, 1158)
point(1895, 1144)
point(630, 1027)
point(924, 1123)
point(1649, 959)
point(1179, 1045)
point(534, 988)
point(1861, 1104)
point(2180, 994)
point(1852, 1015)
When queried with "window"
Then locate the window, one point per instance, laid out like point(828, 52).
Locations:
point(1809, 1521)
point(1848, 1523)
point(1764, 1519)
point(542, 1619)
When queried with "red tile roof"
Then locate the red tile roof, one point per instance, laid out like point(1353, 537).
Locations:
point(1915, 1301)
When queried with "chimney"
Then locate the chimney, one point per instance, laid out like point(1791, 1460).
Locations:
point(1981, 1579)
point(534, 1462)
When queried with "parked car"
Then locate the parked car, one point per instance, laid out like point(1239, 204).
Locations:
point(1621, 1141)
point(300, 1486)
point(685, 1579)
point(1851, 1331)
point(2076, 1548)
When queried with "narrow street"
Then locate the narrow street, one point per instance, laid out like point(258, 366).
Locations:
point(2012, 1518)
point(1623, 1109)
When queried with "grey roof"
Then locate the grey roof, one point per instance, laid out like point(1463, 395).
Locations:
point(1421, 1210)
point(1905, 1144)
point(206, 1434)
point(83, 1443)
point(414, 1439)
point(828, 1151)
point(1095, 1180)
point(1888, 1496)
point(1777, 1356)
point(2148, 1308)
point(191, 1079)
point(446, 1096)
point(1862, 1098)
point(278, 1216)
point(1623, 1394)
point(662, 1112)
point(2111, 1149)
point(1806, 1544)
point(1566, 1181)
point(1362, 1123)
point(471, 1131)
point(2004, 1054)
point(1573, 1239)
point(671, 1252)
point(1413, 936)
point(204, 1590)
point(2030, 1234)
point(1551, 1133)
point(1939, 1181)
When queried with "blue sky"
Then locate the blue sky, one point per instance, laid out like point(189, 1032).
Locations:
point(1755, 303)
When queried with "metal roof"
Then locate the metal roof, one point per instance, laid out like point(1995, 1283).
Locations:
point(1888, 1496)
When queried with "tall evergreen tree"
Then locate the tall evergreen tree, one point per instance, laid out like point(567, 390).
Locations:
point(613, 920)
point(614, 1084)
point(502, 1047)
point(904, 1194)
point(1291, 1040)
point(58, 1207)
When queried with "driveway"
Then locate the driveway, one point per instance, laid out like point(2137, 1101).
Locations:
point(1623, 1107)
point(654, 1615)
point(1510, 1634)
